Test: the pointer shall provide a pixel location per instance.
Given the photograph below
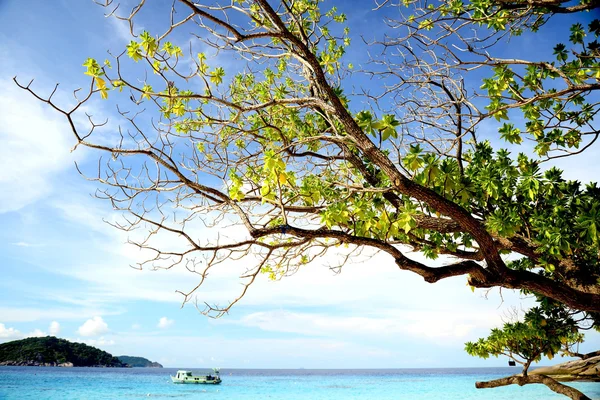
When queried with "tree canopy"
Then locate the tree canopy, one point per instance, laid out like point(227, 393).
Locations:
point(281, 143)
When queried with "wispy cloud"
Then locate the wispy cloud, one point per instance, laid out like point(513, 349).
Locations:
point(42, 313)
point(122, 30)
point(423, 324)
point(34, 148)
point(26, 244)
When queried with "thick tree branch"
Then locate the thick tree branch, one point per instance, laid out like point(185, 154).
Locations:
point(552, 384)
point(554, 6)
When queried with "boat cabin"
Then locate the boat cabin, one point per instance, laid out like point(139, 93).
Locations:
point(183, 374)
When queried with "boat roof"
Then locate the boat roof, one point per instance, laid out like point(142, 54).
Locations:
point(181, 370)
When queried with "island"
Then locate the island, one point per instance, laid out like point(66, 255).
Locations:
point(50, 351)
point(138, 362)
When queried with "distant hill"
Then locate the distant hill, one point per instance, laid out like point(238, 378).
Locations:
point(138, 362)
point(51, 351)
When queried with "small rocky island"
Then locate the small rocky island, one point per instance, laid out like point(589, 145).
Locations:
point(138, 362)
point(50, 351)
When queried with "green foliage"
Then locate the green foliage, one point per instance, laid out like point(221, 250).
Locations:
point(553, 121)
point(217, 75)
point(94, 70)
point(148, 43)
point(134, 51)
point(539, 334)
point(50, 349)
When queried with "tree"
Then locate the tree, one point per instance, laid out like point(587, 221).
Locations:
point(281, 146)
point(540, 334)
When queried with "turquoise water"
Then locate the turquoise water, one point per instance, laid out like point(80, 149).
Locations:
point(137, 383)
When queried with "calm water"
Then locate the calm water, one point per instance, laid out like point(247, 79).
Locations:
point(137, 383)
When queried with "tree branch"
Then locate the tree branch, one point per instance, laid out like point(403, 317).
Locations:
point(552, 384)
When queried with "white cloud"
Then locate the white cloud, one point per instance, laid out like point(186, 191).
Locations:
point(54, 328)
point(36, 333)
point(97, 342)
point(164, 323)
point(9, 333)
point(136, 326)
point(93, 327)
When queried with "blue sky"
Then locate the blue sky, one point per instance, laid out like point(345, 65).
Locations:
point(66, 272)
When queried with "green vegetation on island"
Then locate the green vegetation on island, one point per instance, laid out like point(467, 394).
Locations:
point(137, 362)
point(51, 351)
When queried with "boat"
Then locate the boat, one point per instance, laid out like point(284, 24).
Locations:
point(187, 377)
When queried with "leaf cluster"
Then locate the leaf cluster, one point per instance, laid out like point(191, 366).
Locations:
point(539, 334)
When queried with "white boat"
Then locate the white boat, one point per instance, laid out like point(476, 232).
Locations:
point(187, 377)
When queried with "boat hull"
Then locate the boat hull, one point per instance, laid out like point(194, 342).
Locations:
point(197, 381)
point(183, 376)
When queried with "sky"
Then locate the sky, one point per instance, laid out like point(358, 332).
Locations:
point(66, 272)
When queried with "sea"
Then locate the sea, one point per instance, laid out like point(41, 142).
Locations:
point(48, 383)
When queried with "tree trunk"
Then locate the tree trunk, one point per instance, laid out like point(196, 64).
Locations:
point(552, 384)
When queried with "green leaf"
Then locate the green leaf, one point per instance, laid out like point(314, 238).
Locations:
point(148, 43)
point(93, 69)
point(560, 52)
point(147, 91)
point(577, 34)
point(134, 51)
point(413, 159)
point(217, 75)
point(365, 122)
point(511, 134)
